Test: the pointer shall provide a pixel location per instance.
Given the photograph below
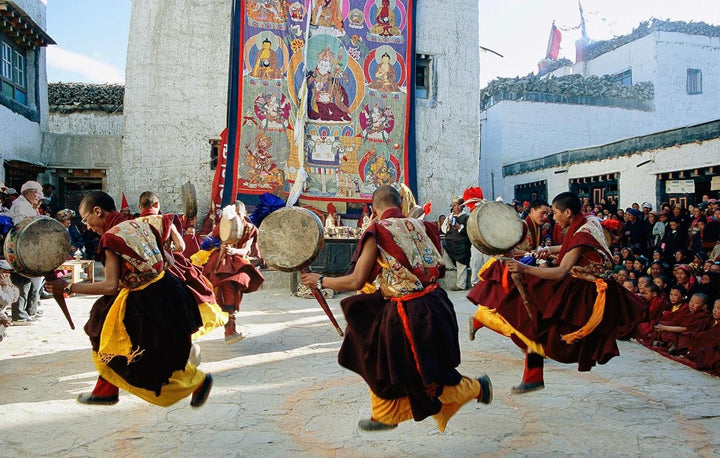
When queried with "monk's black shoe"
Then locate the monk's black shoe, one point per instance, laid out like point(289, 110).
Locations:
point(527, 387)
point(472, 330)
point(486, 390)
point(372, 425)
point(200, 395)
point(88, 398)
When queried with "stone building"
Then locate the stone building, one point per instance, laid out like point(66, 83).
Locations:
point(83, 141)
point(176, 92)
point(23, 89)
point(659, 82)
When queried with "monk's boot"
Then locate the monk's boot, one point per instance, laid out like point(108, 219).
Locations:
point(104, 393)
point(473, 327)
point(533, 375)
point(231, 335)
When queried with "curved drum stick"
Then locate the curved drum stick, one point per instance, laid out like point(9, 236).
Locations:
point(323, 303)
point(60, 299)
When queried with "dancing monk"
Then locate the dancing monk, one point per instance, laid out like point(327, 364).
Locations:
point(402, 335)
point(572, 313)
point(140, 328)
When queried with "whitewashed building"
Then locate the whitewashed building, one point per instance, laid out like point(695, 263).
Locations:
point(23, 89)
point(83, 141)
point(176, 92)
point(541, 147)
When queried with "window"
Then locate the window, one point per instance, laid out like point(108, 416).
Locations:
point(424, 77)
point(624, 78)
point(694, 81)
point(13, 72)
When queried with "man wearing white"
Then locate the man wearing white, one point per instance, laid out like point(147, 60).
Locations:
point(26, 206)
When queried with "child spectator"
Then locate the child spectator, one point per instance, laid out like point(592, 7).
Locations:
point(676, 333)
point(661, 282)
point(657, 304)
point(705, 346)
point(630, 285)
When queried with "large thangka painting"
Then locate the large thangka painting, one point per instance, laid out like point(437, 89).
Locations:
point(355, 58)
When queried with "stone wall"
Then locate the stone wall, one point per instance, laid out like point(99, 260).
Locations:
point(448, 131)
point(175, 98)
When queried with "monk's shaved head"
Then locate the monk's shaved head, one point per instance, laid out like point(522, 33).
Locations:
point(386, 197)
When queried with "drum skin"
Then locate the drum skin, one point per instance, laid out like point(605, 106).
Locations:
point(189, 200)
point(37, 246)
point(495, 228)
point(290, 238)
point(231, 229)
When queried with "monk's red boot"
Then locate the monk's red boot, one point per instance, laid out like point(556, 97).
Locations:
point(533, 375)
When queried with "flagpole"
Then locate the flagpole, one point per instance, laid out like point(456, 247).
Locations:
point(228, 195)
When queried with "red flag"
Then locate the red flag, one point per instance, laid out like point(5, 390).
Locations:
point(553, 48)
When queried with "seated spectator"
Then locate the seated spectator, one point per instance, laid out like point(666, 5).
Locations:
point(617, 258)
point(630, 263)
point(621, 275)
point(710, 285)
point(643, 282)
point(656, 269)
point(698, 262)
point(705, 346)
point(685, 276)
point(661, 282)
point(657, 304)
point(707, 266)
point(675, 334)
point(631, 285)
point(626, 252)
point(640, 264)
point(681, 257)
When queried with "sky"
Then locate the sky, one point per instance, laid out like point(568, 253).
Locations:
point(92, 35)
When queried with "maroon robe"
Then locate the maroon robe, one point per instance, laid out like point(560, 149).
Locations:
point(235, 269)
point(564, 306)
point(704, 348)
point(653, 313)
point(159, 318)
point(383, 351)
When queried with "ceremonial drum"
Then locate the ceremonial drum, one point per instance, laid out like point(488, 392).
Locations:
point(495, 228)
point(189, 200)
point(37, 246)
point(231, 229)
point(290, 238)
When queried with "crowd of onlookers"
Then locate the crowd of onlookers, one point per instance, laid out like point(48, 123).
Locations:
point(19, 295)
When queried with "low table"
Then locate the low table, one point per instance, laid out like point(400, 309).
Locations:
point(78, 267)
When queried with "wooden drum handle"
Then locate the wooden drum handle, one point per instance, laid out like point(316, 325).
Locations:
point(323, 303)
point(59, 297)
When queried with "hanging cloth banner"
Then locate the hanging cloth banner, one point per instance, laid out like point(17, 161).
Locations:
point(322, 98)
